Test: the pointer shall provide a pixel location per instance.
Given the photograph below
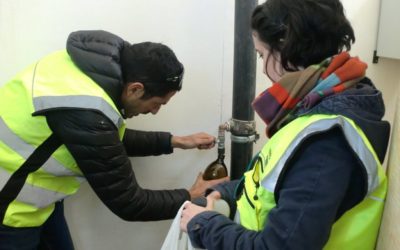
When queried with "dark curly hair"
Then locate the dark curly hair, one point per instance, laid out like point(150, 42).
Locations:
point(154, 65)
point(303, 32)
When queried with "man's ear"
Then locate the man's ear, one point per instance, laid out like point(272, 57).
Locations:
point(134, 89)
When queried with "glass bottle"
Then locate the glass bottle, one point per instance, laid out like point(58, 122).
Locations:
point(217, 169)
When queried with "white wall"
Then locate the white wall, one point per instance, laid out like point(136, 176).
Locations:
point(364, 15)
point(388, 40)
point(201, 34)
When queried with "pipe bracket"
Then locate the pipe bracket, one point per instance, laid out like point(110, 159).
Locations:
point(245, 139)
point(243, 131)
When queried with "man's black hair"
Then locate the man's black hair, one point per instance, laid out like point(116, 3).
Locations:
point(303, 32)
point(154, 65)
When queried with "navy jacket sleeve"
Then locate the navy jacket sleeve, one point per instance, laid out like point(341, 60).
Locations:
point(227, 191)
point(93, 141)
point(321, 182)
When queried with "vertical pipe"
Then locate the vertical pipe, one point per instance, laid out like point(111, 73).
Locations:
point(244, 70)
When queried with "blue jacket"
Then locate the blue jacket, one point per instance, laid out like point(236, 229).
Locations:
point(317, 187)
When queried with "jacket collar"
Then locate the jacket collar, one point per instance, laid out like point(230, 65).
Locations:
point(364, 105)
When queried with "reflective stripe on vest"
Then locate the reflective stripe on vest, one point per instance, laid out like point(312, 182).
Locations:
point(86, 102)
point(35, 169)
point(77, 90)
point(355, 141)
point(355, 229)
point(33, 195)
point(25, 150)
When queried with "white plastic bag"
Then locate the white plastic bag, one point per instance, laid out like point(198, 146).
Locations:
point(176, 239)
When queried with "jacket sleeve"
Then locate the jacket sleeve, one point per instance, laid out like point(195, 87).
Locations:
point(93, 141)
point(227, 191)
point(321, 182)
point(143, 143)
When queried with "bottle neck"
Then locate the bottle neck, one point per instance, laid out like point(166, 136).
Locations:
point(221, 155)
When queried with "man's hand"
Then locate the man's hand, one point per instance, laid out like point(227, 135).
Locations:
point(200, 186)
point(199, 140)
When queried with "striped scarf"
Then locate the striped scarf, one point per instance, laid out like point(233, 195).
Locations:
point(306, 88)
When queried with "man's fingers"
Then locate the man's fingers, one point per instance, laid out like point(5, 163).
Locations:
point(220, 180)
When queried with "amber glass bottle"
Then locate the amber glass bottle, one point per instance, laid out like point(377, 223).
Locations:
point(217, 169)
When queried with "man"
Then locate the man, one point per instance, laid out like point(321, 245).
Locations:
point(62, 122)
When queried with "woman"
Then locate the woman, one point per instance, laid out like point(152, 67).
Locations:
point(318, 182)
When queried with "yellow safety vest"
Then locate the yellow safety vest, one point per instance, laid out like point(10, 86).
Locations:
point(35, 172)
point(358, 227)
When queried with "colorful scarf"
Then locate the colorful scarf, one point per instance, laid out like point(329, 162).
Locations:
point(306, 88)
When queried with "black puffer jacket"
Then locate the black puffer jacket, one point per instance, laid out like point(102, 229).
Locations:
point(94, 142)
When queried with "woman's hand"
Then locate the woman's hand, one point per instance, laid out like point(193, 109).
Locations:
point(215, 195)
point(190, 210)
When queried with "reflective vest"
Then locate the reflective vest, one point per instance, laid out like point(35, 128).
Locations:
point(355, 229)
point(36, 170)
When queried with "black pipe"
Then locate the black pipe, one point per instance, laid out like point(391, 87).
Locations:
point(244, 76)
